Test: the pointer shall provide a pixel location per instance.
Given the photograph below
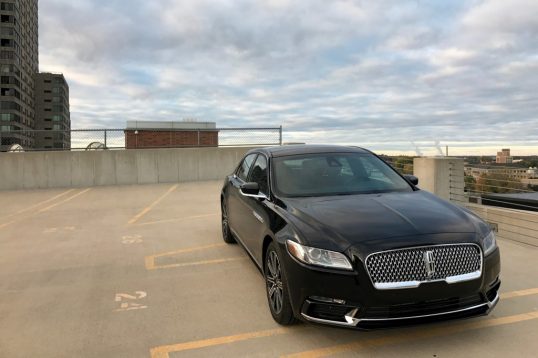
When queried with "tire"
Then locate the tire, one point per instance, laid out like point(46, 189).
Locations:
point(277, 288)
point(226, 232)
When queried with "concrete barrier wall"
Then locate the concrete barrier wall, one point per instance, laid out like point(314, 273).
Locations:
point(34, 170)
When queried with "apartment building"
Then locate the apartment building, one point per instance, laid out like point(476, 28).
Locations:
point(53, 118)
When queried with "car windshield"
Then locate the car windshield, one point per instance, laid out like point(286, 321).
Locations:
point(325, 174)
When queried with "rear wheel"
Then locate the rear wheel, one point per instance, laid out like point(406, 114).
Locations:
point(277, 291)
point(226, 232)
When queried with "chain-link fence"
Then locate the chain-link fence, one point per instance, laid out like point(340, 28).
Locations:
point(93, 139)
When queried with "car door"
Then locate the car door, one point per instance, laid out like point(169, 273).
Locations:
point(236, 206)
point(255, 221)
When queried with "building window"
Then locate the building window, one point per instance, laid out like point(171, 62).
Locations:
point(6, 6)
point(56, 99)
point(5, 128)
point(56, 118)
point(7, 117)
point(56, 127)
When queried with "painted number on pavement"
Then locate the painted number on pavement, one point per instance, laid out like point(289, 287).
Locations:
point(131, 239)
point(128, 302)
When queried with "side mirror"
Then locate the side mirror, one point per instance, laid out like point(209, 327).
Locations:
point(252, 190)
point(411, 178)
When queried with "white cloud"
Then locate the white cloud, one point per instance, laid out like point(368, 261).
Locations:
point(378, 72)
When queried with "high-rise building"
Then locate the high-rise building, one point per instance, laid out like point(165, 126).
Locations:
point(18, 65)
point(52, 112)
point(29, 100)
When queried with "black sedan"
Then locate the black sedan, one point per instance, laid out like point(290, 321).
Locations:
point(342, 238)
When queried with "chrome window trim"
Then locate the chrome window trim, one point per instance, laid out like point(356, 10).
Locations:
point(414, 284)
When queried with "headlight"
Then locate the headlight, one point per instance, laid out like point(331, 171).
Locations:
point(489, 243)
point(318, 257)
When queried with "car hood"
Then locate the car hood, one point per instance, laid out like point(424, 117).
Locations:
point(336, 223)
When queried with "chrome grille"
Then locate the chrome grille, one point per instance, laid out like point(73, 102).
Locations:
point(409, 267)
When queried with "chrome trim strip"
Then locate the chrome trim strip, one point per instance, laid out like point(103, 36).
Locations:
point(414, 284)
point(426, 315)
point(351, 321)
point(465, 277)
point(397, 285)
point(494, 302)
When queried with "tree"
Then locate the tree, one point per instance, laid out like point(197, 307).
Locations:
point(498, 183)
point(470, 183)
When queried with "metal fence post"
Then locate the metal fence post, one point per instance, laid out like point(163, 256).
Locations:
point(105, 139)
point(198, 137)
point(280, 132)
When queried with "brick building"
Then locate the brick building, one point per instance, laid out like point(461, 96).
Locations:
point(146, 134)
point(503, 157)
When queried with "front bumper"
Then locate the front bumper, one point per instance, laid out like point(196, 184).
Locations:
point(349, 299)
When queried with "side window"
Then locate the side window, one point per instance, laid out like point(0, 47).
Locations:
point(242, 171)
point(259, 174)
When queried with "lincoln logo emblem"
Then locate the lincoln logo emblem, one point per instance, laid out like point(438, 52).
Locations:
point(429, 260)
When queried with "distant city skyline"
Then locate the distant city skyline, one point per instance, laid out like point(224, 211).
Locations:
point(383, 74)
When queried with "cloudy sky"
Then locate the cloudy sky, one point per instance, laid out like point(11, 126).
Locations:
point(383, 74)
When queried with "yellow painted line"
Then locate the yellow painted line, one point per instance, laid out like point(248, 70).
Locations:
point(177, 219)
point(406, 337)
point(190, 249)
point(22, 211)
point(39, 204)
point(528, 292)
point(197, 263)
point(152, 205)
point(163, 351)
point(65, 200)
point(150, 260)
point(6, 224)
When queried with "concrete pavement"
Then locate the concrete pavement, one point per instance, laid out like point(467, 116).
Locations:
point(141, 271)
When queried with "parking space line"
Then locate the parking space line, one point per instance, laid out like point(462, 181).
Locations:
point(512, 294)
point(6, 224)
point(407, 337)
point(196, 263)
point(150, 260)
point(64, 201)
point(152, 205)
point(38, 204)
point(163, 351)
point(177, 219)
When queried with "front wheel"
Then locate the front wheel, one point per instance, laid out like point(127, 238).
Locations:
point(226, 232)
point(277, 291)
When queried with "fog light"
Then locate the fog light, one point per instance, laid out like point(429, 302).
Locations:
point(328, 300)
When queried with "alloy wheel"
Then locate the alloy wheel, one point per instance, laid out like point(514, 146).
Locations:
point(273, 278)
point(224, 218)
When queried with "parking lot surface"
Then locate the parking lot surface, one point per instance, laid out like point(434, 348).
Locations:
point(141, 271)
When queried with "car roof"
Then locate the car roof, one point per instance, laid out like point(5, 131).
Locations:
point(295, 149)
